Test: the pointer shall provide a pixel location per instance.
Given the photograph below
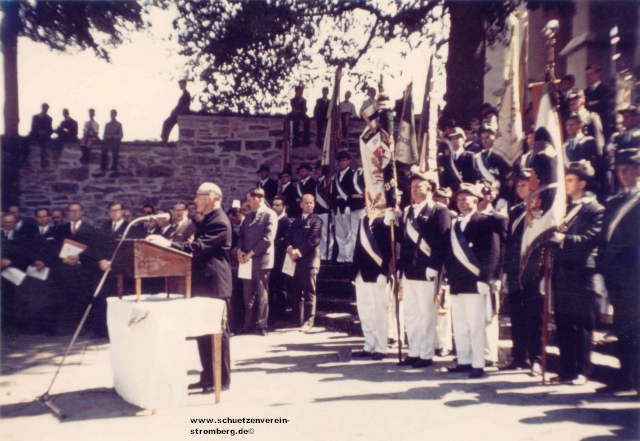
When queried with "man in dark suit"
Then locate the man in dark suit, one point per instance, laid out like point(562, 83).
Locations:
point(488, 165)
point(302, 247)
point(165, 228)
point(290, 194)
point(182, 227)
point(67, 132)
point(14, 255)
point(578, 146)
point(572, 275)
point(270, 186)
point(256, 244)
point(299, 113)
point(24, 227)
point(597, 97)
point(471, 263)
point(320, 114)
point(41, 131)
point(182, 108)
point(370, 273)
point(342, 188)
point(77, 275)
point(592, 123)
point(211, 272)
point(306, 184)
point(619, 264)
point(424, 233)
point(278, 281)
point(455, 165)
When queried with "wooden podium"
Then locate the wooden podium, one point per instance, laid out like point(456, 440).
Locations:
point(139, 259)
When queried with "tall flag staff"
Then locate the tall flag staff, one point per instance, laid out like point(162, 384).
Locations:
point(380, 177)
point(331, 144)
point(546, 206)
point(423, 132)
point(406, 148)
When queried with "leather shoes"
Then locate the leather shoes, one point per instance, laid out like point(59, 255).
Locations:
point(514, 366)
point(489, 363)
point(422, 363)
point(361, 353)
point(408, 361)
point(459, 368)
point(476, 373)
point(378, 356)
point(201, 385)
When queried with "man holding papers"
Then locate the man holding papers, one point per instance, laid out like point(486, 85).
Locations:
point(255, 252)
point(303, 251)
point(14, 262)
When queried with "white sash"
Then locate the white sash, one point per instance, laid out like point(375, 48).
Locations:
point(517, 221)
point(415, 235)
point(622, 212)
point(459, 253)
point(319, 197)
point(483, 168)
point(339, 187)
point(364, 241)
point(355, 181)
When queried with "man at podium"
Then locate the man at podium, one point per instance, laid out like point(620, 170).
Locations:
point(211, 273)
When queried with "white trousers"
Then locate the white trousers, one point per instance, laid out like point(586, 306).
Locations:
point(468, 314)
point(372, 301)
point(356, 215)
point(323, 239)
point(492, 334)
point(343, 236)
point(420, 315)
point(444, 332)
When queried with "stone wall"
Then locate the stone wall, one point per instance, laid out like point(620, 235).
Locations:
point(224, 149)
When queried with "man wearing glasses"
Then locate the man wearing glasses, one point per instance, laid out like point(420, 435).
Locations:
point(211, 272)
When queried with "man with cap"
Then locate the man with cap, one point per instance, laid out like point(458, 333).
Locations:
point(490, 166)
point(501, 224)
point(619, 263)
point(322, 209)
point(525, 305)
point(41, 130)
point(356, 202)
point(455, 164)
point(592, 124)
point(423, 237)
point(578, 147)
point(270, 186)
point(370, 274)
point(572, 275)
point(474, 254)
point(306, 184)
point(289, 193)
point(490, 117)
point(629, 138)
point(342, 188)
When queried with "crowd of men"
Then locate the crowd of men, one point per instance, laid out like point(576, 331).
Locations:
point(457, 248)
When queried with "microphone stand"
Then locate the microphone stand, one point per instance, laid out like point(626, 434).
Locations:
point(45, 399)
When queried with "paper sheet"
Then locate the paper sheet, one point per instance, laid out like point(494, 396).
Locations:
point(71, 248)
point(13, 275)
point(43, 275)
point(244, 270)
point(289, 266)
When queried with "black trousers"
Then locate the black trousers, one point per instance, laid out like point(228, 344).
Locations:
point(526, 308)
point(321, 127)
point(167, 126)
point(256, 299)
point(627, 348)
point(574, 338)
point(303, 289)
point(115, 153)
point(295, 119)
point(205, 349)
point(278, 294)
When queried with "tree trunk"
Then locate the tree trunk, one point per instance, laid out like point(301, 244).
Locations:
point(9, 31)
point(466, 61)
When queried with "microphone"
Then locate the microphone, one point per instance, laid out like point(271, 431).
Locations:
point(165, 216)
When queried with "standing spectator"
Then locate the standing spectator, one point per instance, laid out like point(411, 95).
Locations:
point(181, 109)
point(89, 135)
point(67, 132)
point(23, 227)
point(270, 186)
point(302, 247)
point(289, 193)
point(320, 114)
point(370, 101)
point(299, 113)
point(112, 137)
point(41, 130)
point(342, 188)
point(597, 97)
point(306, 184)
point(255, 244)
point(14, 255)
point(322, 209)
point(278, 281)
point(347, 111)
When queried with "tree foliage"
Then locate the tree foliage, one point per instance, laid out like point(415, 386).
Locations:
point(248, 51)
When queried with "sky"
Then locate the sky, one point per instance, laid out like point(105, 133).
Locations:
point(141, 80)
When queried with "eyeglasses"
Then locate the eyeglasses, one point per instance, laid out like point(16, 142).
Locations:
point(202, 194)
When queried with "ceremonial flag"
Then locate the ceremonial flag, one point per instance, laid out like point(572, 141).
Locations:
point(333, 132)
point(406, 146)
point(509, 143)
point(546, 205)
point(423, 133)
point(378, 165)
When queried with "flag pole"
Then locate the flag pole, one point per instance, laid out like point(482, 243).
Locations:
point(549, 32)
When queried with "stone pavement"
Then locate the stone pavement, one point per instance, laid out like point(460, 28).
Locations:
point(311, 381)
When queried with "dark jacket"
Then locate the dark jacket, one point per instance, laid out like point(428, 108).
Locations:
point(304, 236)
point(433, 225)
point(87, 235)
point(340, 203)
point(484, 242)
point(321, 108)
point(322, 197)
point(280, 243)
point(453, 172)
point(501, 225)
point(380, 241)
point(513, 246)
point(496, 167)
point(308, 187)
point(574, 262)
point(270, 189)
point(290, 195)
point(110, 238)
point(210, 249)
point(43, 247)
point(356, 198)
